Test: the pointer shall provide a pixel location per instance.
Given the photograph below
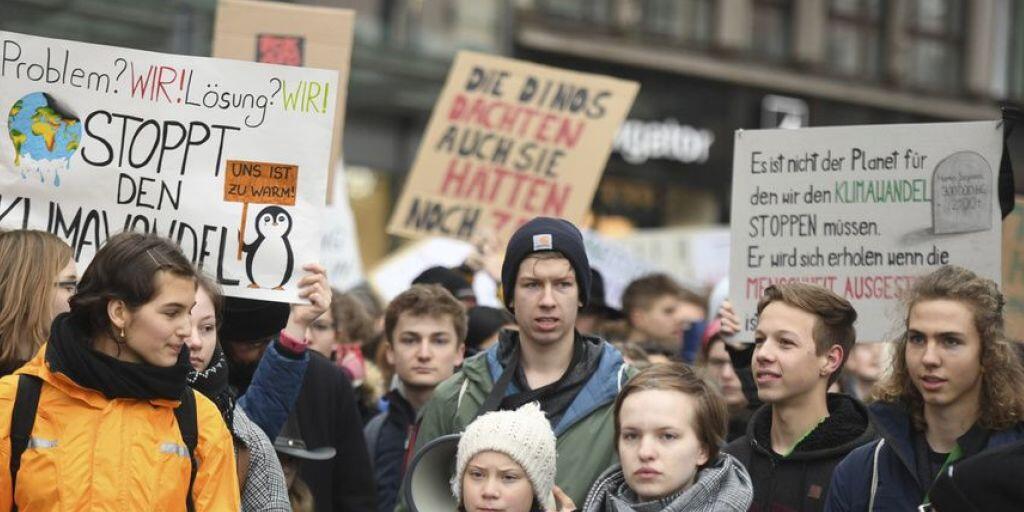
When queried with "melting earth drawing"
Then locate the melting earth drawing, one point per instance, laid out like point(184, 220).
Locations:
point(45, 135)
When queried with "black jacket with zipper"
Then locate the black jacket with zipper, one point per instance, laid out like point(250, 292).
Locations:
point(799, 482)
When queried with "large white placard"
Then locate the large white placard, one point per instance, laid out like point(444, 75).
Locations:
point(99, 139)
point(862, 210)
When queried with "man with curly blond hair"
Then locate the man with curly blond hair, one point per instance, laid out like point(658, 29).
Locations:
point(953, 391)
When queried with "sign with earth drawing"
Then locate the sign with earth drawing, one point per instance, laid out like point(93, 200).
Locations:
point(227, 158)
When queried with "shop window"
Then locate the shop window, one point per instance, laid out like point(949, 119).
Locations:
point(154, 25)
point(590, 11)
point(685, 21)
point(437, 28)
point(772, 29)
point(855, 34)
point(935, 37)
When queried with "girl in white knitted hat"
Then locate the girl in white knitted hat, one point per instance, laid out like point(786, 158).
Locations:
point(506, 461)
point(669, 424)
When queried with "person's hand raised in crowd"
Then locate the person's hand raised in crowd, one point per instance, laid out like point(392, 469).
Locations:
point(563, 503)
point(487, 255)
point(730, 322)
point(313, 287)
point(741, 354)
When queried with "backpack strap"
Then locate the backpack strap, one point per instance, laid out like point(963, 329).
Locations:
point(189, 427)
point(497, 394)
point(23, 418)
point(874, 475)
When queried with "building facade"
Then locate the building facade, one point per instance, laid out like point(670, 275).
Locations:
point(706, 69)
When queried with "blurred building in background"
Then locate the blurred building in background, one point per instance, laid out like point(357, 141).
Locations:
point(706, 68)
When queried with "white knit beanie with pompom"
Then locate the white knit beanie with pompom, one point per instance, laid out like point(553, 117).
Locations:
point(524, 435)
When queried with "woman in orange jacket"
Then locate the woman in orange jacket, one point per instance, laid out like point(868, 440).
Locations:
point(116, 428)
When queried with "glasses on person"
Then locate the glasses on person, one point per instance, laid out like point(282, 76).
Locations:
point(68, 286)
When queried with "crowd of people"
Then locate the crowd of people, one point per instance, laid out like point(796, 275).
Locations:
point(140, 386)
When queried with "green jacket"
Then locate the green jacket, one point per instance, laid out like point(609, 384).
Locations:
point(585, 436)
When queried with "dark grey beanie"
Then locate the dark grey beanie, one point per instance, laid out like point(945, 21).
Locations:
point(546, 234)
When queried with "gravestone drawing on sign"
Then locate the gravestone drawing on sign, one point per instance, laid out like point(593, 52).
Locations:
point(962, 194)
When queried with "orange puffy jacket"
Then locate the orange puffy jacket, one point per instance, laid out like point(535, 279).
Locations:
point(91, 453)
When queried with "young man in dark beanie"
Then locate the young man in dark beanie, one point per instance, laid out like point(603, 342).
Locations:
point(255, 333)
point(545, 279)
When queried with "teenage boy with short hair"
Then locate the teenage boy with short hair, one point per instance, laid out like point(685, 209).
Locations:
point(797, 438)
point(659, 311)
point(575, 378)
point(424, 329)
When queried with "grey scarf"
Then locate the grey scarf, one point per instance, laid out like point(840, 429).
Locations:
point(723, 486)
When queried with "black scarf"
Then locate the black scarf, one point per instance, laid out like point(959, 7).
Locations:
point(555, 398)
point(213, 383)
point(70, 352)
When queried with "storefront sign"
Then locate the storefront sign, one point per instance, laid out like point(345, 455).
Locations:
point(639, 141)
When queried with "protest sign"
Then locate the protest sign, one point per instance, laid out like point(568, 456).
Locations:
point(617, 264)
point(1013, 271)
point(696, 257)
point(863, 211)
point(102, 140)
point(507, 141)
point(395, 273)
point(292, 35)
point(339, 251)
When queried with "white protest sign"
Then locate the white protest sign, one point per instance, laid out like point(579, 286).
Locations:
point(339, 250)
point(394, 275)
point(863, 211)
point(696, 257)
point(617, 265)
point(99, 140)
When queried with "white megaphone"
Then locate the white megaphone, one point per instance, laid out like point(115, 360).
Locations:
point(428, 478)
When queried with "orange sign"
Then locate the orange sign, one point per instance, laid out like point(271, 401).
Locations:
point(260, 182)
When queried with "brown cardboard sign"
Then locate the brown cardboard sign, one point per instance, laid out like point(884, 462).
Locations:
point(508, 141)
point(302, 35)
point(1013, 271)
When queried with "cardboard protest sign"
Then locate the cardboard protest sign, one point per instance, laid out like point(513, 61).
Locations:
point(862, 210)
point(1013, 271)
point(292, 35)
point(102, 140)
point(507, 141)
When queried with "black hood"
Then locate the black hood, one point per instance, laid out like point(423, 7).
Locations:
point(848, 426)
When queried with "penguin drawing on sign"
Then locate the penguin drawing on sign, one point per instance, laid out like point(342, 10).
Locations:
point(273, 224)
